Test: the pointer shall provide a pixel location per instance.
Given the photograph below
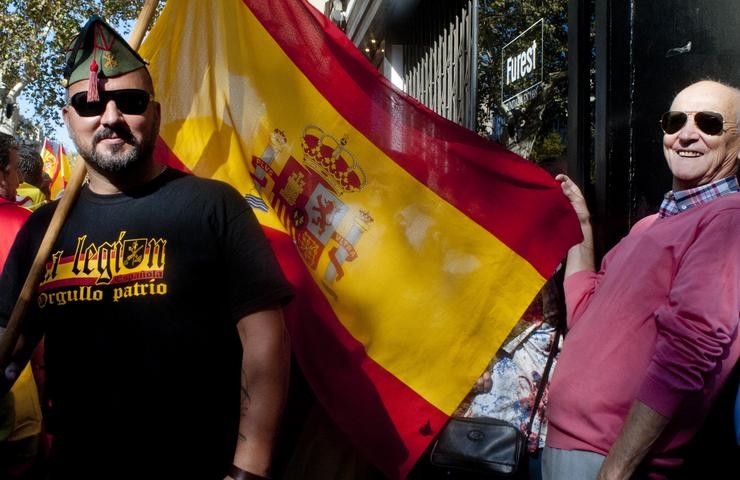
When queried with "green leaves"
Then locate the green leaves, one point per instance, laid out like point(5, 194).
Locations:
point(500, 22)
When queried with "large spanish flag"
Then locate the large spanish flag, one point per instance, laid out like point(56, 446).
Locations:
point(415, 243)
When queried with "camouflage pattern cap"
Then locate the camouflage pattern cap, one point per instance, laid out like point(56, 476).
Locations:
point(98, 51)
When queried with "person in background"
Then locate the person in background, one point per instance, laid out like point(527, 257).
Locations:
point(10, 177)
point(46, 185)
point(20, 435)
point(653, 335)
point(29, 193)
point(166, 352)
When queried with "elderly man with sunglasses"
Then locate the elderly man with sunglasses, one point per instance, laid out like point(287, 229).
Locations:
point(166, 352)
point(653, 335)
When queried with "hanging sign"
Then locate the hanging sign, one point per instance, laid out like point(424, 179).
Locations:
point(522, 71)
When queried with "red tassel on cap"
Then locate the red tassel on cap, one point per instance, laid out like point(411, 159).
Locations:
point(92, 83)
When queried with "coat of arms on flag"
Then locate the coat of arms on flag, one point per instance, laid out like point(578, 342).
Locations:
point(307, 197)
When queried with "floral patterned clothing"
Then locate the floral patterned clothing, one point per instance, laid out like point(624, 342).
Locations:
point(517, 368)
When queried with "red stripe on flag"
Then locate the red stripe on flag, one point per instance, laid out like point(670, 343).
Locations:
point(394, 422)
point(496, 188)
point(164, 155)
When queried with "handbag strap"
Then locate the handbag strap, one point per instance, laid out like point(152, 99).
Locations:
point(543, 380)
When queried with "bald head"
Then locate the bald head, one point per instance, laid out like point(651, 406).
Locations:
point(720, 92)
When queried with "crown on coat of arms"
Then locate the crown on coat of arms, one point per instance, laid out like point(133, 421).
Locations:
point(332, 161)
point(365, 217)
point(278, 138)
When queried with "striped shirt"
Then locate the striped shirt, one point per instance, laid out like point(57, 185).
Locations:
point(677, 202)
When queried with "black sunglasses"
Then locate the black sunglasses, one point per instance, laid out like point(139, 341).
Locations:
point(711, 123)
point(129, 101)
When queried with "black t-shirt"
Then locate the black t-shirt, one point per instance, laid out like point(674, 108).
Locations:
point(139, 305)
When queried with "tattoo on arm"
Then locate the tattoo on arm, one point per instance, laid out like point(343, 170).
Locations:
point(244, 402)
point(244, 393)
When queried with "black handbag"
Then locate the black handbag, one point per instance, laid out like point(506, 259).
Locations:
point(480, 445)
point(487, 446)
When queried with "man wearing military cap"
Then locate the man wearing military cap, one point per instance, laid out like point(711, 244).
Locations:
point(166, 352)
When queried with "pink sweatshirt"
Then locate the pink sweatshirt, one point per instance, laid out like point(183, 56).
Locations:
point(658, 323)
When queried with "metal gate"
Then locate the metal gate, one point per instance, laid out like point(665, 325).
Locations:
point(439, 53)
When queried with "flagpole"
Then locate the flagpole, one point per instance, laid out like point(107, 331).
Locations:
point(13, 328)
point(145, 16)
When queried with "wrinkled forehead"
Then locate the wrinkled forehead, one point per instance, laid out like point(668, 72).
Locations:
point(707, 97)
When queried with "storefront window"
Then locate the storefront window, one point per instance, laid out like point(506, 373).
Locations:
point(523, 75)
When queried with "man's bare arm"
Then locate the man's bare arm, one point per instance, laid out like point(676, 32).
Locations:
point(265, 368)
point(581, 256)
point(641, 428)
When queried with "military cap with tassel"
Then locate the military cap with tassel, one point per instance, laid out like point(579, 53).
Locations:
point(97, 52)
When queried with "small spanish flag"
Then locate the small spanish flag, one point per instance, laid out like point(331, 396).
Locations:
point(56, 165)
point(415, 244)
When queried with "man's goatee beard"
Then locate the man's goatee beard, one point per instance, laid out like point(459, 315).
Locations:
point(116, 160)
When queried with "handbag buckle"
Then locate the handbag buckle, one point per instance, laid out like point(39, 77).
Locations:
point(476, 435)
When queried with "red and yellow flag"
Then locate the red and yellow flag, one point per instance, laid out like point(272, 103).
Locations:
point(415, 243)
point(56, 165)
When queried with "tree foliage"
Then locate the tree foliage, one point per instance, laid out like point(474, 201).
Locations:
point(33, 37)
point(500, 22)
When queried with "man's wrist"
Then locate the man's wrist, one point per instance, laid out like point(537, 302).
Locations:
point(240, 474)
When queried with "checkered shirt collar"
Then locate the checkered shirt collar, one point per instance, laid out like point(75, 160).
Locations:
point(677, 202)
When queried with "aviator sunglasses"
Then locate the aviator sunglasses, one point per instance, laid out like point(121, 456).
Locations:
point(711, 123)
point(129, 101)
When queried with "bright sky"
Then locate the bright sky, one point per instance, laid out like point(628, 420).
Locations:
point(59, 134)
